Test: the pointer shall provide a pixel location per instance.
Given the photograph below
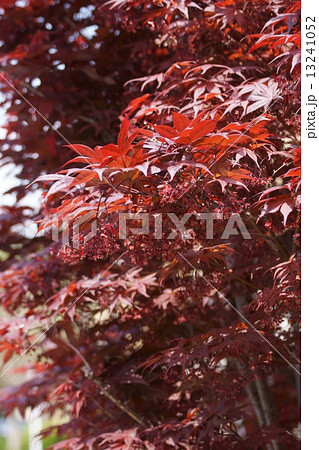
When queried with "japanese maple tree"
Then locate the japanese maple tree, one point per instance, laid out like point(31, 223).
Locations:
point(171, 109)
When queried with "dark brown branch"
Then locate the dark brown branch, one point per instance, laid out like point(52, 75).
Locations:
point(106, 392)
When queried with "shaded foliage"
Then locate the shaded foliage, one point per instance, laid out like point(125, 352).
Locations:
point(158, 107)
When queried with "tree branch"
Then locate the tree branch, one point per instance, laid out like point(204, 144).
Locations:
point(106, 392)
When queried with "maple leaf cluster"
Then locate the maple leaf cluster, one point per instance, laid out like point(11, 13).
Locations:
point(171, 109)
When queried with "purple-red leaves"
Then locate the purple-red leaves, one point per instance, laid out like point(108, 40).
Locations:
point(168, 336)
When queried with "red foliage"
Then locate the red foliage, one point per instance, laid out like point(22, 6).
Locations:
point(151, 343)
